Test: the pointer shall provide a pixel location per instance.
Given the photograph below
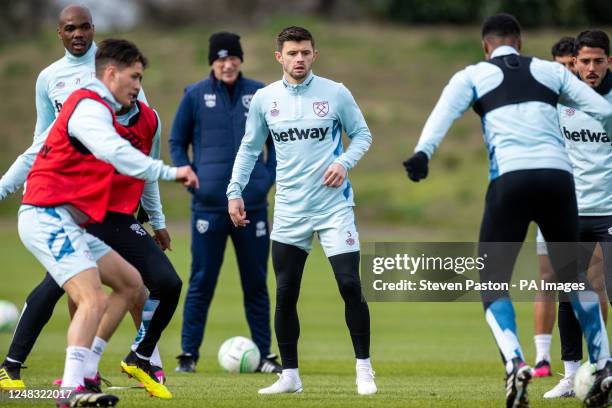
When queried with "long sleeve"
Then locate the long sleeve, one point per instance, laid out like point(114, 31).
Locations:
point(255, 135)
point(357, 130)
point(456, 98)
point(17, 174)
point(577, 94)
point(181, 134)
point(45, 112)
point(150, 200)
point(91, 124)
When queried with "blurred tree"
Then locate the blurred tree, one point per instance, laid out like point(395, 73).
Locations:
point(21, 17)
point(531, 13)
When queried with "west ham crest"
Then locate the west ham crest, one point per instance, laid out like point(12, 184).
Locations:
point(202, 226)
point(246, 101)
point(320, 108)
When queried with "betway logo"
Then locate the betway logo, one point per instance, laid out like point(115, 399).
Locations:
point(301, 134)
point(585, 135)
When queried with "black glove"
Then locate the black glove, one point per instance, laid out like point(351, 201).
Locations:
point(417, 166)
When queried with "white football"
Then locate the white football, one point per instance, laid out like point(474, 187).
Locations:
point(9, 314)
point(584, 379)
point(239, 355)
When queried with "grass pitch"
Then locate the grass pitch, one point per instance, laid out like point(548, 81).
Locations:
point(424, 354)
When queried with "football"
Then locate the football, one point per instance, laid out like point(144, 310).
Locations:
point(239, 355)
point(584, 380)
point(9, 314)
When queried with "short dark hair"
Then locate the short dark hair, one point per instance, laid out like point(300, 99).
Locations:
point(501, 25)
point(293, 33)
point(119, 52)
point(594, 39)
point(563, 47)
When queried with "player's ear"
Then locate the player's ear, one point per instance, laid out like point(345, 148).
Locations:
point(315, 54)
point(485, 48)
point(278, 56)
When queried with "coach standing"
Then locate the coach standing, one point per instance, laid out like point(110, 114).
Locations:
point(211, 118)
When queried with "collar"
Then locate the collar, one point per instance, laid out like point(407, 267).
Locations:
point(90, 55)
point(129, 118)
point(606, 84)
point(295, 89)
point(98, 87)
point(503, 50)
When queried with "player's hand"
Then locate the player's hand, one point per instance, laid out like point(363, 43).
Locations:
point(334, 175)
point(235, 207)
point(417, 166)
point(162, 238)
point(186, 175)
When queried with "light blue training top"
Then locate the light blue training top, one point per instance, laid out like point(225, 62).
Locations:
point(518, 136)
point(590, 150)
point(306, 122)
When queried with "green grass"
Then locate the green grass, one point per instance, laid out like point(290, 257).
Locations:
point(424, 354)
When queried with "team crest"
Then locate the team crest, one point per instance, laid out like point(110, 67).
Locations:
point(274, 111)
point(202, 226)
point(210, 100)
point(320, 108)
point(570, 111)
point(350, 241)
point(260, 229)
point(246, 101)
point(137, 228)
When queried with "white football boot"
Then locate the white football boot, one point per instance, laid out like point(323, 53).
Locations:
point(565, 389)
point(365, 380)
point(286, 384)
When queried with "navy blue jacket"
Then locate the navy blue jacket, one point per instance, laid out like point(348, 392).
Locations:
point(212, 121)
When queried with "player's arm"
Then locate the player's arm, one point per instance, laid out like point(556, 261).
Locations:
point(45, 111)
point(181, 134)
point(578, 95)
point(357, 130)
point(17, 174)
point(255, 135)
point(456, 98)
point(91, 124)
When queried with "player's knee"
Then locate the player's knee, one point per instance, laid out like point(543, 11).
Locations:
point(349, 287)
point(94, 303)
point(172, 286)
point(287, 295)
